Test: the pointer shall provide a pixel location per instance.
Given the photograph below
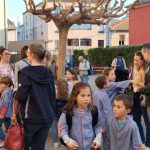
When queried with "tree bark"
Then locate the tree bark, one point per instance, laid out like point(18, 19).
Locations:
point(63, 33)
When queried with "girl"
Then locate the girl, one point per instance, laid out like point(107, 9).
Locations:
point(114, 88)
point(47, 58)
point(36, 93)
point(72, 79)
point(61, 99)
point(137, 111)
point(6, 103)
point(102, 101)
point(81, 135)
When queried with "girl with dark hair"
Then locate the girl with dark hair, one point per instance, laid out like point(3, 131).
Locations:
point(71, 77)
point(81, 135)
point(36, 94)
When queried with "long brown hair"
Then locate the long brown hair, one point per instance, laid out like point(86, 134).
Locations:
point(72, 102)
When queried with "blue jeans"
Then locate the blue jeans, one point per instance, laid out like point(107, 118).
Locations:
point(36, 135)
point(54, 130)
point(84, 78)
point(7, 123)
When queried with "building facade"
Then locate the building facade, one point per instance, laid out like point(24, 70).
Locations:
point(139, 23)
point(11, 31)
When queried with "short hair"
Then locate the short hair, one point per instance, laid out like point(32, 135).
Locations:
point(2, 49)
point(101, 81)
point(23, 52)
point(106, 71)
point(146, 46)
point(6, 80)
point(38, 50)
point(126, 99)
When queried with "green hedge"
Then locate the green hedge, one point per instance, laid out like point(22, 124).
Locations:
point(105, 56)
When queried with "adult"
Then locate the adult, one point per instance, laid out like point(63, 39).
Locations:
point(84, 66)
point(138, 111)
point(146, 89)
point(20, 64)
point(119, 65)
point(6, 67)
point(36, 93)
point(53, 67)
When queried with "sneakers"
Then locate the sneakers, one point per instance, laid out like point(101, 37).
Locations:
point(56, 145)
point(1, 143)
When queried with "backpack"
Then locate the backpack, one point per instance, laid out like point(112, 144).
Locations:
point(94, 112)
point(90, 71)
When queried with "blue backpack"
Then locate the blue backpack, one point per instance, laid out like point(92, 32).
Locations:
point(90, 71)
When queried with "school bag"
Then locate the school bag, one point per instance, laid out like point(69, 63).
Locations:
point(90, 71)
point(94, 112)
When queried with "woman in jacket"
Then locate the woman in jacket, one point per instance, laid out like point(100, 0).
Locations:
point(36, 93)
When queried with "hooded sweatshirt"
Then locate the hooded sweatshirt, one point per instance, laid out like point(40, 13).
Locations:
point(36, 93)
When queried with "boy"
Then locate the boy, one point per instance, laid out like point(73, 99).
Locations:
point(124, 133)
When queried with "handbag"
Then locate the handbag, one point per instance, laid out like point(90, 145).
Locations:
point(15, 135)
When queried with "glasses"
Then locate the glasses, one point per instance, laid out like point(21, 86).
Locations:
point(5, 53)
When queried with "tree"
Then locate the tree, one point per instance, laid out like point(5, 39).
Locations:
point(76, 12)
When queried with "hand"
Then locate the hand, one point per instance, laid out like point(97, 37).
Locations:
point(1, 117)
point(73, 145)
point(143, 103)
point(96, 146)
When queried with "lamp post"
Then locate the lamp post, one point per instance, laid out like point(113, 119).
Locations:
point(3, 23)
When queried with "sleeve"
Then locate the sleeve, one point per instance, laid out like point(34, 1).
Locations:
point(136, 139)
point(98, 130)
point(123, 84)
point(3, 109)
point(125, 66)
point(23, 88)
point(113, 64)
point(16, 76)
point(145, 90)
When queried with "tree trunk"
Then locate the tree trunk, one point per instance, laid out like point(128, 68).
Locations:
point(63, 33)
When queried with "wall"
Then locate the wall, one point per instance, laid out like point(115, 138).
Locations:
point(139, 25)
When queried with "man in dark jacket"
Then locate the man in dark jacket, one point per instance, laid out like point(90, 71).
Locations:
point(146, 90)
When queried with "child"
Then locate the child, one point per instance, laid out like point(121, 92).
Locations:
point(123, 131)
point(72, 79)
point(81, 136)
point(62, 97)
point(6, 106)
point(114, 88)
point(102, 101)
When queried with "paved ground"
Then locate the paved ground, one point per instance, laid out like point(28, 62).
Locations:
point(49, 143)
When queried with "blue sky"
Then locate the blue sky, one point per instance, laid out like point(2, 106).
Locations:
point(15, 8)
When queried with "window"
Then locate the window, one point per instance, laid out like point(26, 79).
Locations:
point(85, 42)
point(41, 29)
point(73, 42)
point(121, 39)
point(101, 29)
point(56, 44)
point(100, 43)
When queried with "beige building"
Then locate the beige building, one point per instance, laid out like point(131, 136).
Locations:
point(11, 31)
point(120, 33)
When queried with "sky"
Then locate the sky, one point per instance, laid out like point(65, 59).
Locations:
point(15, 8)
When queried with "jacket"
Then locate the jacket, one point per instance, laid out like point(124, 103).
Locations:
point(146, 90)
point(36, 93)
point(81, 130)
point(126, 137)
point(6, 98)
point(114, 88)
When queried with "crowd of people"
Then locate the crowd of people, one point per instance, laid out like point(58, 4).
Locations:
point(108, 118)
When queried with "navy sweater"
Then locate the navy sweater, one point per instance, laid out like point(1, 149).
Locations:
point(36, 93)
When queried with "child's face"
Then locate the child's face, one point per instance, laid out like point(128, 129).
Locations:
point(119, 110)
point(3, 86)
point(84, 98)
point(69, 76)
point(111, 76)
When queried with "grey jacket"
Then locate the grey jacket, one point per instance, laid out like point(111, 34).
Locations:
point(81, 130)
point(102, 101)
point(126, 137)
point(19, 66)
point(114, 88)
